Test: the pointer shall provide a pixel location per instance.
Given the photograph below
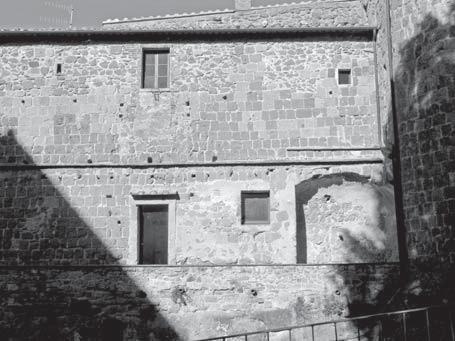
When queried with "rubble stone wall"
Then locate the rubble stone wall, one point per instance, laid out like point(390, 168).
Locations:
point(240, 101)
point(183, 303)
point(89, 216)
point(227, 101)
point(310, 13)
point(424, 77)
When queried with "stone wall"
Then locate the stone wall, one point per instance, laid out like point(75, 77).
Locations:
point(182, 303)
point(79, 150)
point(424, 77)
point(377, 15)
point(89, 216)
point(348, 220)
point(422, 49)
point(227, 101)
point(310, 13)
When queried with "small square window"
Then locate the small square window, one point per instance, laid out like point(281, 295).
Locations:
point(344, 76)
point(155, 69)
point(59, 69)
point(255, 207)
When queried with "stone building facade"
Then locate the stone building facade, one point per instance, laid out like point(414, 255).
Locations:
point(253, 104)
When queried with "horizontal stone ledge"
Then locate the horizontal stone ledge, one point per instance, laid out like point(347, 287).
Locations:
point(328, 149)
point(139, 197)
point(334, 162)
point(224, 266)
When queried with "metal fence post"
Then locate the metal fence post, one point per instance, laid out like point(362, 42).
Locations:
point(405, 337)
point(452, 331)
point(427, 316)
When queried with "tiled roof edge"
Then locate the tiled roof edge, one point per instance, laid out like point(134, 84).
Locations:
point(167, 16)
point(196, 14)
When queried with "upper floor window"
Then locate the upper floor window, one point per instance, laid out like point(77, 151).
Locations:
point(155, 69)
point(344, 76)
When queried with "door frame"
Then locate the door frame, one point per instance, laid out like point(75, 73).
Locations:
point(135, 227)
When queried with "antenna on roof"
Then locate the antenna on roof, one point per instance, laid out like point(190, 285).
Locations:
point(60, 20)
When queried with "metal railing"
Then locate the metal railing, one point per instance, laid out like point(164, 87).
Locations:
point(399, 317)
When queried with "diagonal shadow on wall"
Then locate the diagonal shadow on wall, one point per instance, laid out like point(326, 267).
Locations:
point(53, 283)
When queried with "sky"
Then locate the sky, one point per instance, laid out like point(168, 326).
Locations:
point(90, 13)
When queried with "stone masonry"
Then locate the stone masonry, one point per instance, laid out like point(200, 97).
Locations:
point(422, 46)
point(79, 150)
point(88, 216)
point(307, 13)
point(227, 101)
point(424, 77)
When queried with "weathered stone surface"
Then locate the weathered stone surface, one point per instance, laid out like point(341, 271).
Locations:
point(227, 101)
point(215, 300)
point(308, 13)
point(422, 52)
point(350, 223)
point(89, 216)
point(425, 99)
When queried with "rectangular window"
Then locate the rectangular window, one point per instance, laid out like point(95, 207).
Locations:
point(153, 242)
point(155, 69)
point(344, 76)
point(255, 207)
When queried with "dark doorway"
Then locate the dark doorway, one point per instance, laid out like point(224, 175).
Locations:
point(153, 244)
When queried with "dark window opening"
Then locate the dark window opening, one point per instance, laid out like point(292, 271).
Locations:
point(344, 76)
point(59, 69)
point(153, 241)
point(255, 207)
point(155, 69)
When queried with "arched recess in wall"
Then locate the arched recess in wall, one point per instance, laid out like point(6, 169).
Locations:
point(345, 218)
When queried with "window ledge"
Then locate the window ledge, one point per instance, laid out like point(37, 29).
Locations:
point(131, 265)
point(155, 90)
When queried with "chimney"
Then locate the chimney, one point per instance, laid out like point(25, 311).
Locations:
point(242, 5)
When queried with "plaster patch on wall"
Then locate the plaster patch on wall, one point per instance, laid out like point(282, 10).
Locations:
point(352, 222)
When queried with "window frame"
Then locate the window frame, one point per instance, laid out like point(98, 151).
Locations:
point(250, 193)
point(156, 51)
point(344, 70)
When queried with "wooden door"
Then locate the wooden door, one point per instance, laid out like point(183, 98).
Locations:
point(153, 234)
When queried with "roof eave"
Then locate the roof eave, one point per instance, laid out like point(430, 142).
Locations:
point(128, 35)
